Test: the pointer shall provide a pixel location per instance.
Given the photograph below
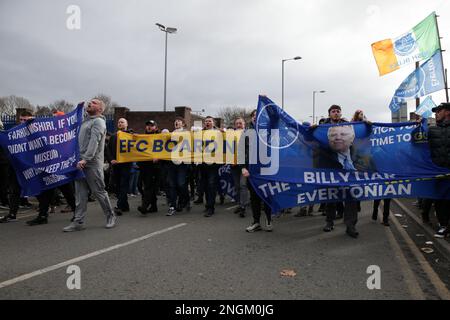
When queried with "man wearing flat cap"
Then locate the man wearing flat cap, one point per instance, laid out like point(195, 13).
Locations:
point(439, 141)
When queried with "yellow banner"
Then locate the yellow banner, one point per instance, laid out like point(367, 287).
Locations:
point(207, 146)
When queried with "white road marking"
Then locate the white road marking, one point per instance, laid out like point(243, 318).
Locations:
point(440, 287)
point(231, 208)
point(84, 257)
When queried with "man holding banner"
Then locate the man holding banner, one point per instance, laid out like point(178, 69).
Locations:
point(209, 171)
point(339, 138)
point(439, 140)
point(13, 183)
point(91, 142)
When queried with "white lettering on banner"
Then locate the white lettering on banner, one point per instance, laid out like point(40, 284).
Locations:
point(19, 133)
point(62, 137)
point(17, 148)
point(45, 156)
point(32, 172)
point(41, 126)
point(356, 192)
point(382, 141)
point(339, 177)
point(36, 143)
point(53, 179)
point(274, 188)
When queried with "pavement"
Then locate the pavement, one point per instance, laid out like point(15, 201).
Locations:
point(188, 256)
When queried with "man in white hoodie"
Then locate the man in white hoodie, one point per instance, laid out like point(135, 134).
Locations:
point(91, 141)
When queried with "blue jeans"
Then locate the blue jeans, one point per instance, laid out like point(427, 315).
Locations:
point(178, 187)
point(134, 177)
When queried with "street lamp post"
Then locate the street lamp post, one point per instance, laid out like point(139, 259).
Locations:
point(314, 104)
point(282, 78)
point(167, 30)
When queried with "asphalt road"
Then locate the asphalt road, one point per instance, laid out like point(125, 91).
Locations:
point(188, 256)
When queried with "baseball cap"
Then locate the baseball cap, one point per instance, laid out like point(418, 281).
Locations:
point(444, 105)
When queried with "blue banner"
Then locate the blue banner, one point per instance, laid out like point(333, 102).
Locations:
point(330, 163)
point(424, 109)
point(428, 78)
point(226, 182)
point(44, 152)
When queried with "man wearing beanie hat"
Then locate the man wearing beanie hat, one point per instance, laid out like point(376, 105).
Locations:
point(439, 141)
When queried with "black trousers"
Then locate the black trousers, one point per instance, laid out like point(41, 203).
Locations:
point(256, 203)
point(442, 208)
point(386, 208)
point(46, 197)
point(150, 175)
point(350, 212)
point(210, 183)
point(121, 176)
point(4, 169)
point(14, 192)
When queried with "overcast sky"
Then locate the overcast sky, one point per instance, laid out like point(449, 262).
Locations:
point(225, 53)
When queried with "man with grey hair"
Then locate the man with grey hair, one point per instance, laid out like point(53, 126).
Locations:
point(91, 141)
point(340, 139)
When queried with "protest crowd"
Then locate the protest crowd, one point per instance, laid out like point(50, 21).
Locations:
point(106, 179)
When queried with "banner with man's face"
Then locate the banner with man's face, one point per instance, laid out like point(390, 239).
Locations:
point(348, 161)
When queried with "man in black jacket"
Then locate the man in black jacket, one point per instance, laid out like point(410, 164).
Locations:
point(439, 141)
point(120, 171)
point(150, 174)
point(256, 203)
point(4, 168)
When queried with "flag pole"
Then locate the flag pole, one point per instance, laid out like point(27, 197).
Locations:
point(442, 58)
point(417, 99)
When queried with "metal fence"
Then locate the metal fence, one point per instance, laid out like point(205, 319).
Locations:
point(110, 127)
point(8, 121)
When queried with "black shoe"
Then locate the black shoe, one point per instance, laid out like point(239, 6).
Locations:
point(374, 216)
point(352, 232)
point(142, 210)
point(37, 221)
point(242, 214)
point(153, 209)
point(90, 199)
point(117, 211)
point(198, 201)
point(237, 210)
point(385, 223)
point(222, 200)
point(209, 213)
point(328, 228)
point(8, 218)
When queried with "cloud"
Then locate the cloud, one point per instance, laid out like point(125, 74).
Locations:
point(224, 54)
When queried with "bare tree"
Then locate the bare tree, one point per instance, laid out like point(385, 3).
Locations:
point(43, 111)
point(109, 104)
point(9, 104)
point(62, 105)
point(229, 114)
